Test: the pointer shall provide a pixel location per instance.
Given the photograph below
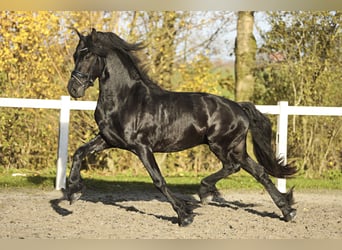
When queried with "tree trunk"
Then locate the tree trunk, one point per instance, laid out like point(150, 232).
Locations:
point(245, 50)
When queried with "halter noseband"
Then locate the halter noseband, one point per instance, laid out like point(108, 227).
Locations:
point(77, 75)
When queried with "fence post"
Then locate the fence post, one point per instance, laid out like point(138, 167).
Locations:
point(63, 142)
point(281, 141)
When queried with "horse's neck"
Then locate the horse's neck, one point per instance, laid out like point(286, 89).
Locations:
point(115, 86)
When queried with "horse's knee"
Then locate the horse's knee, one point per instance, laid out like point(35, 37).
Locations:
point(78, 155)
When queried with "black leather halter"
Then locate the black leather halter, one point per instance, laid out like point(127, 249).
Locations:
point(77, 75)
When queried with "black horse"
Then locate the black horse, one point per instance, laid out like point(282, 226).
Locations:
point(135, 114)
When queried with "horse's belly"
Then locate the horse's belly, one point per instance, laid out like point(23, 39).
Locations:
point(173, 141)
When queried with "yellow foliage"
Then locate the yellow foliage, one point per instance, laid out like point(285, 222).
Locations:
point(198, 76)
point(30, 55)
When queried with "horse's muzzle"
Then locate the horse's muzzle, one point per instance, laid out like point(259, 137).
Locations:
point(75, 89)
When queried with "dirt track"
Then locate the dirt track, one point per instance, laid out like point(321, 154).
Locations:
point(134, 214)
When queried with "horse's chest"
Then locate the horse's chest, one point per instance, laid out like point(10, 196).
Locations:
point(108, 120)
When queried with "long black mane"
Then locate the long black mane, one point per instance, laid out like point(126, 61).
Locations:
point(107, 42)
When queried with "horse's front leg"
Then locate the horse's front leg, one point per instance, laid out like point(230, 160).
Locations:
point(185, 215)
point(74, 185)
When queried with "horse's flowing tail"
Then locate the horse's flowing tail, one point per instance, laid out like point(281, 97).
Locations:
point(261, 129)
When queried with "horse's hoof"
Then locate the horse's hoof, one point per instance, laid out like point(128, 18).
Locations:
point(71, 197)
point(183, 222)
point(74, 197)
point(219, 199)
point(205, 200)
point(204, 197)
point(290, 216)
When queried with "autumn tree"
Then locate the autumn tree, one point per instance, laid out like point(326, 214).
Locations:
point(300, 61)
point(30, 54)
point(29, 68)
point(35, 62)
point(245, 50)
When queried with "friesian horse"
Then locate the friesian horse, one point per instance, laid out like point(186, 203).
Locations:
point(135, 114)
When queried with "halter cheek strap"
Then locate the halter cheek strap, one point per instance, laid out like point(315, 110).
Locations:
point(77, 75)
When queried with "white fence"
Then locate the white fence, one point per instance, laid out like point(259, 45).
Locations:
point(65, 105)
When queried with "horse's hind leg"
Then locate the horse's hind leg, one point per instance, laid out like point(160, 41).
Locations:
point(74, 184)
point(230, 165)
point(208, 188)
point(283, 201)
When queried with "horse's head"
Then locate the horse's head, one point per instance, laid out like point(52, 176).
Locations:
point(89, 65)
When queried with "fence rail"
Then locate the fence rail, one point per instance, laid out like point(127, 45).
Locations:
point(282, 110)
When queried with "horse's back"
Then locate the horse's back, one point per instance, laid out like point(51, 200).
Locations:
point(184, 120)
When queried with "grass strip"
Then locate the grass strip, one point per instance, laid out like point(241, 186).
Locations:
point(188, 183)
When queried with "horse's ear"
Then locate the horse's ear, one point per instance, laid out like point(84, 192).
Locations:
point(93, 35)
point(78, 33)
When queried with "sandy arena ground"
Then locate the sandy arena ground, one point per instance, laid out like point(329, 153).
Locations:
point(36, 214)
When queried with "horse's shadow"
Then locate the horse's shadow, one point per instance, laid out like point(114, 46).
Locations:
point(119, 193)
point(248, 207)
